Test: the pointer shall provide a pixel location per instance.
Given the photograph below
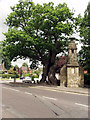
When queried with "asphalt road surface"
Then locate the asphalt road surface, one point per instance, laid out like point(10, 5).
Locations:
point(34, 102)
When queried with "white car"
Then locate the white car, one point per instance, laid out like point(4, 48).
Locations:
point(36, 79)
point(27, 80)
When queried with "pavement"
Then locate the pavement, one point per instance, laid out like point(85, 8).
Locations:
point(84, 90)
point(65, 89)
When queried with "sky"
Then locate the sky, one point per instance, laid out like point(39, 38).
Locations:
point(78, 5)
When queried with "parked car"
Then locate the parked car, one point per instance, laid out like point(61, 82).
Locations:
point(22, 77)
point(36, 80)
point(27, 80)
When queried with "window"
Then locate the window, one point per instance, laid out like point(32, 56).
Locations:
point(72, 51)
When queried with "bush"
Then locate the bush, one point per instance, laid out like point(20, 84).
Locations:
point(17, 75)
point(25, 75)
point(0, 75)
point(2, 72)
point(9, 75)
point(4, 75)
point(34, 76)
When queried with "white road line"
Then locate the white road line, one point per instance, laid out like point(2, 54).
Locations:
point(11, 89)
point(17, 90)
point(82, 105)
point(5, 87)
point(28, 93)
point(62, 91)
point(49, 98)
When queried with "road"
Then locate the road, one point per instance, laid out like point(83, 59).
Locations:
point(34, 102)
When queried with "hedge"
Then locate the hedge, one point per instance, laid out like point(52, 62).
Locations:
point(9, 75)
point(31, 75)
point(34, 76)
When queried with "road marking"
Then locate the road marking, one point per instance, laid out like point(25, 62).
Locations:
point(11, 89)
point(49, 98)
point(17, 90)
point(56, 90)
point(82, 105)
point(28, 93)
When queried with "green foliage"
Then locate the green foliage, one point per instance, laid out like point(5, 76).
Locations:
point(16, 66)
point(25, 75)
point(37, 31)
point(7, 63)
point(33, 76)
point(10, 75)
point(1, 51)
point(4, 76)
point(25, 64)
point(11, 71)
point(37, 73)
point(2, 72)
point(84, 29)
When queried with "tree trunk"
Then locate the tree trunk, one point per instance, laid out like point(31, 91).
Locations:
point(51, 75)
point(50, 69)
point(45, 73)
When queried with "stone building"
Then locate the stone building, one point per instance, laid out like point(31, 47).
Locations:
point(71, 74)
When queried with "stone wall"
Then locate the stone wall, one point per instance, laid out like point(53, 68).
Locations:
point(72, 79)
point(81, 76)
point(72, 76)
point(63, 76)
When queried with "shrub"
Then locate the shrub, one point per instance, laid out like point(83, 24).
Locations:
point(34, 76)
point(25, 75)
point(9, 75)
point(4, 75)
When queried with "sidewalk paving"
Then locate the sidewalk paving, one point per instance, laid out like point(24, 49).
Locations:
point(66, 89)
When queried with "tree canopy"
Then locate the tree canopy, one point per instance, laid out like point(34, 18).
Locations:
point(0, 52)
point(84, 30)
point(38, 32)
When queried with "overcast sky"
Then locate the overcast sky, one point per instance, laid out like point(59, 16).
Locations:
point(78, 5)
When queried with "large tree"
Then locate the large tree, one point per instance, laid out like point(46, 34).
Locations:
point(84, 29)
point(7, 62)
point(0, 52)
point(39, 32)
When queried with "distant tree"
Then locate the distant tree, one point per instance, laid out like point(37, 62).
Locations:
point(11, 71)
point(25, 64)
point(16, 66)
point(84, 29)
point(7, 62)
point(39, 32)
point(1, 51)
